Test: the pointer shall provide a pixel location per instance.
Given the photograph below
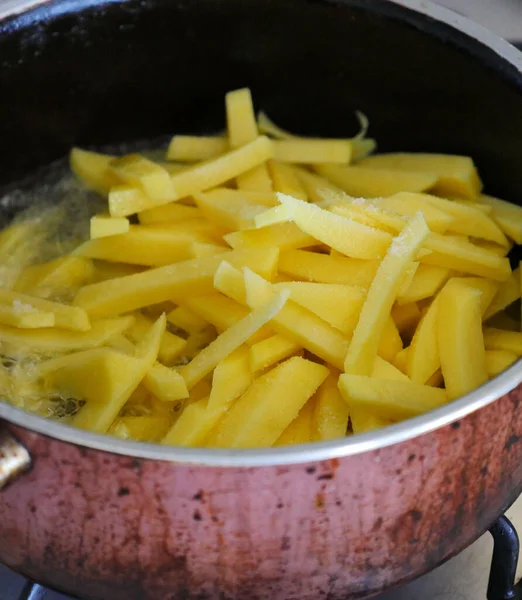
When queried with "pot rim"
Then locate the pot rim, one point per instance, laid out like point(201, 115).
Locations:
point(317, 451)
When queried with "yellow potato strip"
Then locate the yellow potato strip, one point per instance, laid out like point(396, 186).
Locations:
point(191, 148)
point(390, 399)
point(231, 339)
point(381, 296)
point(345, 235)
point(105, 225)
point(124, 294)
point(498, 361)
point(269, 405)
point(374, 183)
point(497, 339)
point(456, 175)
point(66, 317)
point(460, 340)
point(299, 324)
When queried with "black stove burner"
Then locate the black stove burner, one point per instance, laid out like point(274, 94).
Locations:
point(504, 562)
point(33, 591)
point(501, 584)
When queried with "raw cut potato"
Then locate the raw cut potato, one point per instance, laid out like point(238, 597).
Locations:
point(231, 339)
point(322, 268)
point(136, 170)
point(509, 292)
point(141, 245)
point(456, 175)
point(330, 420)
point(171, 346)
point(460, 338)
point(299, 324)
point(97, 415)
point(163, 283)
point(65, 316)
point(183, 318)
point(409, 204)
point(381, 296)
point(53, 340)
point(374, 183)
point(105, 225)
point(496, 339)
point(341, 308)
point(308, 151)
point(190, 148)
point(344, 235)
point(269, 352)
point(285, 236)
point(93, 169)
point(230, 283)
point(499, 360)
point(286, 181)
point(25, 317)
point(361, 146)
point(269, 405)
point(55, 278)
point(169, 213)
point(165, 383)
point(242, 129)
point(300, 430)
point(393, 400)
point(507, 216)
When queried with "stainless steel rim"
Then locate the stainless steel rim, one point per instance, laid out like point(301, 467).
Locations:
point(349, 446)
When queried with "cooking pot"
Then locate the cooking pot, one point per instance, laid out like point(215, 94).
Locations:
point(106, 519)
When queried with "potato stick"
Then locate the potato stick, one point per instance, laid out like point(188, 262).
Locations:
point(301, 429)
point(312, 151)
point(497, 339)
point(231, 339)
point(105, 225)
point(150, 177)
point(371, 183)
point(274, 349)
point(498, 361)
point(25, 317)
point(124, 294)
point(508, 293)
point(508, 216)
point(457, 175)
point(460, 339)
point(231, 378)
point(330, 420)
point(345, 235)
point(390, 399)
point(54, 340)
point(286, 181)
point(381, 296)
point(141, 245)
point(195, 179)
point(165, 383)
point(299, 324)
point(269, 405)
point(169, 213)
point(465, 257)
point(93, 169)
point(311, 266)
point(66, 317)
point(191, 148)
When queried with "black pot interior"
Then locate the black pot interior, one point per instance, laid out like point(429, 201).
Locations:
point(91, 72)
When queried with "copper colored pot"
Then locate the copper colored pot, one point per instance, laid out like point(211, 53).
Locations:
point(106, 519)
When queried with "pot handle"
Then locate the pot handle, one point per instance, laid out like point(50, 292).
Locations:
point(14, 457)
